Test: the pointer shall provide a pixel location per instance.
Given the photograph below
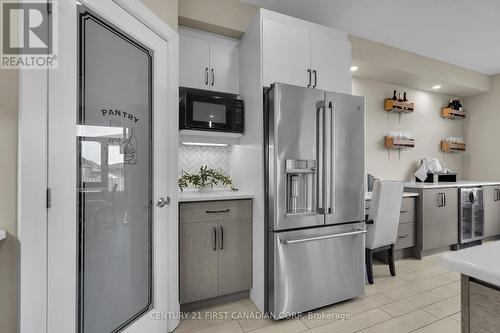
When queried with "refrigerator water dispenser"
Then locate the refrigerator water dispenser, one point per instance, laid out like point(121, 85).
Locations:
point(301, 186)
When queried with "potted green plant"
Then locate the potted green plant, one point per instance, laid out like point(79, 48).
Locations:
point(205, 179)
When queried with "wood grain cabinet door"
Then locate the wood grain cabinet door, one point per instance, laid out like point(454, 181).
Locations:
point(491, 200)
point(198, 261)
point(235, 256)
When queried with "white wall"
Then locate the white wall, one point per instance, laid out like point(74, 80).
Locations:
point(425, 124)
point(482, 134)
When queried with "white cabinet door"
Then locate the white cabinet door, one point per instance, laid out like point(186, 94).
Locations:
point(224, 68)
point(331, 59)
point(194, 62)
point(286, 54)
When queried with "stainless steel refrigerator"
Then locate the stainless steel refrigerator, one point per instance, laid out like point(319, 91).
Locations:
point(314, 146)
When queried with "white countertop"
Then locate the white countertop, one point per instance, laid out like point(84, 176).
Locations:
point(480, 262)
point(3, 234)
point(194, 195)
point(460, 183)
point(368, 195)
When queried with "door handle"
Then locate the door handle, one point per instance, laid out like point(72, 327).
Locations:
point(206, 76)
point(213, 77)
point(215, 239)
point(333, 152)
point(162, 202)
point(315, 78)
point(322, 169)
point(309, 72)
point(440, 199)
point(221, 237)
point(218, 211)
point(310, 239)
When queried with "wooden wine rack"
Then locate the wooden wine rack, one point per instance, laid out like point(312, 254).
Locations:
point(449, 113)
point(395, 143)
point(400, 107)
point(452, 147)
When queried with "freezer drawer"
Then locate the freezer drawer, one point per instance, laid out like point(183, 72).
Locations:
point(316, 267)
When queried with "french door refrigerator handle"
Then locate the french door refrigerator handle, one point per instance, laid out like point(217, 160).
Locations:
point(321, 158)
point(331, 106)
point(310, 239)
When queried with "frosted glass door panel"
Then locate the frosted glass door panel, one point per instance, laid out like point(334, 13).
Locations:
point(115, 182)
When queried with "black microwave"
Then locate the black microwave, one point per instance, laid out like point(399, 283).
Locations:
point(210, 111)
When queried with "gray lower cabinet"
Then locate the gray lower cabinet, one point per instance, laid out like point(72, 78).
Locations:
point(491, 202)
point(215, 249)
point(439, 218)
point(197, 261)
point(406, 229)
point(235, 259)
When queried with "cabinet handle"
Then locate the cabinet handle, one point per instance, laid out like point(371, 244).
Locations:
point(310, 79)
point(444, 199)
point(221, 238)
point(404, 211)
point(403, 236)
point(440, 199)
point(217, 211)
point(215, 239)
point(496, 196)
point(213, 77)
point(315, 78)
point(206, 76)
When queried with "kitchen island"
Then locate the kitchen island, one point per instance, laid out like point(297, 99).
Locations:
point(480, 286)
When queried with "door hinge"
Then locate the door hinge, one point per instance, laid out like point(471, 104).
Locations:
point(49, 198)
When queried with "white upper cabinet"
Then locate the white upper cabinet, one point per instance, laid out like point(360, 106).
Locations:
point(304, 54)
point(286, 54)
point(208, 62)
point(331, 63)
point(224, 68)
point(194, 62)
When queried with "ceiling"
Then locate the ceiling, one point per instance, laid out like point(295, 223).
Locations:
point(465, 33)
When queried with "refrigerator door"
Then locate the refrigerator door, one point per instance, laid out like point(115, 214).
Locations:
point(293, 116)
point(346, 161)
point(315, 267)
point(466, 228)
point(478, 215)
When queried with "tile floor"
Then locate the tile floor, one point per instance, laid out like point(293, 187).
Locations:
point(424, 297)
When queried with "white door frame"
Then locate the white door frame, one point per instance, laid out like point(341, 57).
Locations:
point(33, 230)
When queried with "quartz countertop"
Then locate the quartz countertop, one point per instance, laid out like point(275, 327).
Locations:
point(194, 195)
point(480, 262)
point(368, 195)
point(460, 183)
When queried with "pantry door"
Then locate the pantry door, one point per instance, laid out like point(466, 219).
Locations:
point(108, 134)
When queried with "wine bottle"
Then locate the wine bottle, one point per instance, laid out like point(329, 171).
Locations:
point(394, 98)
point(399, 98)
point(404, 97)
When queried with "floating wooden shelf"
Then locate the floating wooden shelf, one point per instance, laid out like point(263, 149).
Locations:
point(395, 143)
point(449, 113)
point(400, 107)
point(452, 147)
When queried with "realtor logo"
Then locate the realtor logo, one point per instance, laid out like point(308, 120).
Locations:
point(28, 34)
